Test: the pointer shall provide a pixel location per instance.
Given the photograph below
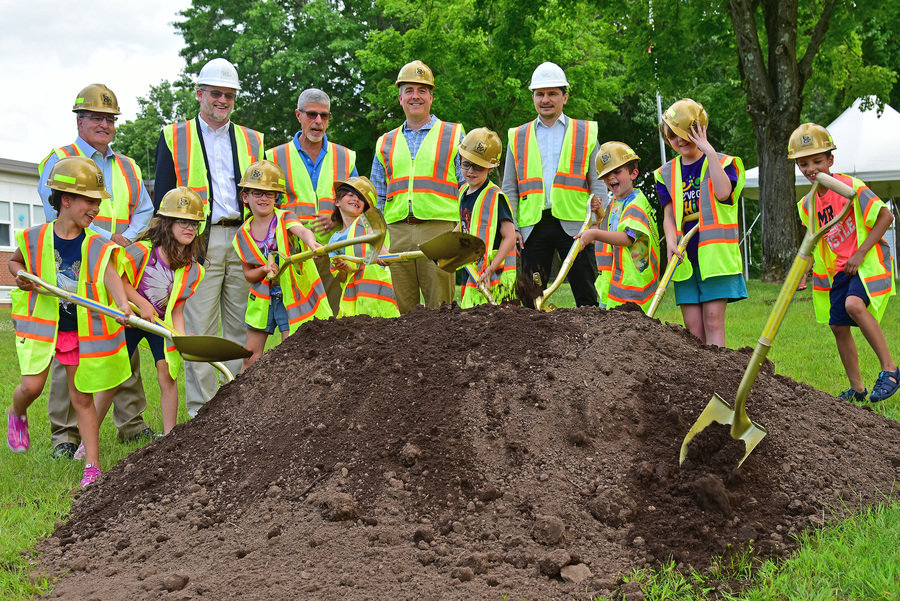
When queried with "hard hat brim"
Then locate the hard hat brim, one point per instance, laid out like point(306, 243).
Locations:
point(480, 161)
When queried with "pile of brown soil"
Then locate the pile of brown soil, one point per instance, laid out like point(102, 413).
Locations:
point(467, 455)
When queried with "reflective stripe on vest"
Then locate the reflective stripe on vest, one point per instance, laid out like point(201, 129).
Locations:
point(428, 182)
point(570, 190)
point(483, 224)
point(126, 187)
point(603, 251)
point(876, 270)
point(718, 251)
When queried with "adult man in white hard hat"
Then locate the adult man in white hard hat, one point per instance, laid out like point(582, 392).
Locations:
point(122, 219)
point(416, 174)
point(209, 154)
point(550, 179)
point(311, 165)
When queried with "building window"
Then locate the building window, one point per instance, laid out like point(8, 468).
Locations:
point(5, 225)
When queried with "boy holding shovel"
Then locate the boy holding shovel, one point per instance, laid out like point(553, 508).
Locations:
point(852, 264)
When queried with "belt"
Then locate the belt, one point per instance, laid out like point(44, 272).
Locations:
point(413, 220)
point(230, 222)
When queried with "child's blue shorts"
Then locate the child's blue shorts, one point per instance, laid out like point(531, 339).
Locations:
point(277, 316)
point(694, 291)
point(843, 286)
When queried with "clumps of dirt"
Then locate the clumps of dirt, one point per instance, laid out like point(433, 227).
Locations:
point(454, 455)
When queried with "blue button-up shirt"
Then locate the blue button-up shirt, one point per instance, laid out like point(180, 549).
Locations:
point(314, 167)
point(414, 139)
point(143, 212)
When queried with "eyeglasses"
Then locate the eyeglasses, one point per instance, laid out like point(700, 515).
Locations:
point(311, 115)
point(467, 166)
point(96, 118)
point(268, 194)
point(188, 224)
point(216, 94)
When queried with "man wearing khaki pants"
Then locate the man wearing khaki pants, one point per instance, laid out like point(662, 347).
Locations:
point(416, 174)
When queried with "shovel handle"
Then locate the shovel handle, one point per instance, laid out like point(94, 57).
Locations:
point(470, 269)
point(674, 262)
point(541, 303)
point(408, 255)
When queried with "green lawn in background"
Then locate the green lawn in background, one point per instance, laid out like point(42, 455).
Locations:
point(855, 559)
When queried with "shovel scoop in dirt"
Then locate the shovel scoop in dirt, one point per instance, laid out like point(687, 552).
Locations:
point(718, 410)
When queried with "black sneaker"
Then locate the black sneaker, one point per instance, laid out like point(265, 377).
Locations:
point(64, 450)
point(145, 435)
point(854, 396)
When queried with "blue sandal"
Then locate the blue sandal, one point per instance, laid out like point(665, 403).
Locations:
point(885, 386)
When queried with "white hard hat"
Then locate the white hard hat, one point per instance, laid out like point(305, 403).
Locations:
point(548, 75)
point(219, 72)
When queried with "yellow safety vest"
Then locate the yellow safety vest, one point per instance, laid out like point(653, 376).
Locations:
point(301, 288)
point(103, 359)
point(876, 271)
point(483, 223)
point(623, 282)
point(133, 261)
point(127, 186)
point(570, 190)
point(183, 141)
point(369, 290)
point(718, 237)
point(301, 198)
point(428, 182)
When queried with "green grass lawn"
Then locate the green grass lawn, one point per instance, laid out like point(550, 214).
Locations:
point(855, 559)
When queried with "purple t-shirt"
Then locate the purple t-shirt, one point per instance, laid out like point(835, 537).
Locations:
point(156, 282)
point(690, 178)
point(269, 245)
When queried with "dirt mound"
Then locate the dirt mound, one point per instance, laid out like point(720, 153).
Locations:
point(466, 455)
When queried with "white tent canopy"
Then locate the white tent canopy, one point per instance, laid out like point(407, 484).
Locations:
point(868, 147)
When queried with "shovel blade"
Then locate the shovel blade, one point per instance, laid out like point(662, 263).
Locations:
point(452, 250)
point(210, 348)
point(718, 410)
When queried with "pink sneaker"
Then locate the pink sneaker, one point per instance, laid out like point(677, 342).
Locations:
point(17, 433)
point(91, 473)
point(80, 453)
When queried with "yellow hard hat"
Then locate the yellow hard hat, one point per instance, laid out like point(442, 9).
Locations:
point(98, 99)
point(362, 186)
point(613, 155)
point(481, 146)
point(415, 72)
point(809, 139)
point(182, 203)
point(682, 115)
point(264, 175)
point(78, 175)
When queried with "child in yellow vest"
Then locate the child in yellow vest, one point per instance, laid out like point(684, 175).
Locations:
point(629, 251)
point(365, 289)
point(89, 345)
point(700, 180)
point(297, 295)
point(160, 273)
point(484, 212)
point(852, 266)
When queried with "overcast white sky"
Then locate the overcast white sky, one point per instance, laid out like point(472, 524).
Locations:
point(49, 50)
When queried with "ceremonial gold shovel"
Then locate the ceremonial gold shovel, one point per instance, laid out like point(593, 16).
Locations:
point(674, 262)
point(450, 250)
point(718, 410)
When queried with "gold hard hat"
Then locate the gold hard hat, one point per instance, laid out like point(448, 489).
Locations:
point(264, 175)
point(613, 155)
point(362, 186)
point(809, 139)
point(415, 72)
point(96, 98)
point(481, 146)
point(78, 175)
point(682, 115)
point(182, 203)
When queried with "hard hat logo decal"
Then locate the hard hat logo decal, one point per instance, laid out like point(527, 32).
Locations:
point(256, 174)
point(183, 201)
point(106, 99)
point(100, 180)
point(480, 148)
point(806, 140)
point(420, 71)
point(605, 157)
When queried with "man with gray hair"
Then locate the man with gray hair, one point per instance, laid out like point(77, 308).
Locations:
point(311, 165)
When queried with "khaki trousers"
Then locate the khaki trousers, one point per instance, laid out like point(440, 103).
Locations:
point(410, 277)
point(128, 405)
point(219, 301)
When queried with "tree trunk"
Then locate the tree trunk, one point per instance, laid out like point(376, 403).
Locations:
point(777, 199)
